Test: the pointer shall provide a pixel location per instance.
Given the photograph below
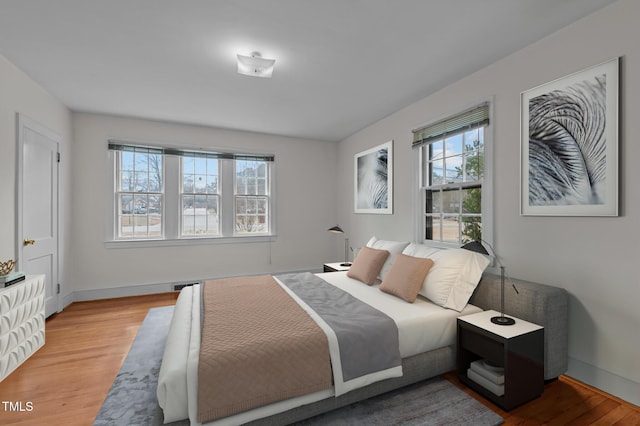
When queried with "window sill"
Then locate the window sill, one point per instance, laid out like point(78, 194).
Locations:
point(117, 244)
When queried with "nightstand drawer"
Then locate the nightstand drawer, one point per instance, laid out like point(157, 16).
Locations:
point(481, 345)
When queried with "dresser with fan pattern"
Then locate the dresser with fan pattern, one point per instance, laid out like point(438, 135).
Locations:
point(22, 322)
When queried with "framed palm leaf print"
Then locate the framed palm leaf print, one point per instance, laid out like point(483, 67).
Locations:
point(569, 145)
point(373, 179)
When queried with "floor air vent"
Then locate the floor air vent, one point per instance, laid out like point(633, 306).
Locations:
point(178, 287)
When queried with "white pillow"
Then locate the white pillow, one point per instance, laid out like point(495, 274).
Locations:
point(421, 250)
point(453, 277)
point(393, 247)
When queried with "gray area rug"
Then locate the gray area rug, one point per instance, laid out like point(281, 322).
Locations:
point(132, 397)
point(430, 402)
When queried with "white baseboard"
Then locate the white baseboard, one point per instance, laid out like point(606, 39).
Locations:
point(139, 290)
point(610, 383)
point(67, 299)
point(110, 293)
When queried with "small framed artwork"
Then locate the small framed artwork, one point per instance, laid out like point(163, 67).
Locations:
point(373, 179)
point(569, 145)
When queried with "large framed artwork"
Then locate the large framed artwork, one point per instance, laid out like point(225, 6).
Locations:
point(373, 179)
point(569, 145)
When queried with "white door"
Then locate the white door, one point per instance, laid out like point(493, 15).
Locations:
point(38, 206)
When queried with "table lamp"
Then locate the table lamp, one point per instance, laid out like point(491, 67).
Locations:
point(478, 247)
point(337, 230)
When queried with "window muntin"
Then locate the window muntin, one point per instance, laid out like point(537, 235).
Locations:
point(452, 176)
point(139, 194)
point(252, 182)
point(200, 196)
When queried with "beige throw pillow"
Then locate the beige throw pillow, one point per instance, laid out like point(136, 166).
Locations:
point(406, 276)
point(367, 265)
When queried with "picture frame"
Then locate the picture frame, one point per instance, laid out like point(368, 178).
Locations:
point(569, 144)
point(373, 180)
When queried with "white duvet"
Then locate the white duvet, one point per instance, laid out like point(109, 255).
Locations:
point(422, 326)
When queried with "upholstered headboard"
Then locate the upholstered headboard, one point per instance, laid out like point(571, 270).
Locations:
point(538, 303)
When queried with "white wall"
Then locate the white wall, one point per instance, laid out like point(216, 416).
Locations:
point(305, 177)
point(595, 259)
point(20, 94)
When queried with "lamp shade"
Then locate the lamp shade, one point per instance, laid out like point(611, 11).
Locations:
point(475, 246)
point(336, 230)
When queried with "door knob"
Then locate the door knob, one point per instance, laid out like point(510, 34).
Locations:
point(29, 242)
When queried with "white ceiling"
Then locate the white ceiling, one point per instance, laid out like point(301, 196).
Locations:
point(340, 64)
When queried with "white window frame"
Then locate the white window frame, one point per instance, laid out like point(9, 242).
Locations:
point(141, 194)
point(217, 195)
point(237, 196)
point(419, 198)
point(172, 218)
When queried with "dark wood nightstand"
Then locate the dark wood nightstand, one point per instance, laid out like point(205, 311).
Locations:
point(335, 267)
point(518, 349)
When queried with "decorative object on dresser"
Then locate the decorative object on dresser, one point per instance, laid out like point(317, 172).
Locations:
point(22, 319)
point(337, 230)
point(476, 246)
point(7, 277)
point(12, 278)
point(504, 364)
point(7, 266)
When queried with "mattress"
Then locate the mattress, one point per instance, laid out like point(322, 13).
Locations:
point(414, 337)
point(422, 326)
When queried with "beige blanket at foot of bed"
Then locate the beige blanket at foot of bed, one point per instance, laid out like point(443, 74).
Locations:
point(258, 346)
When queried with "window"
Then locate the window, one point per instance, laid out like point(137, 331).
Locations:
point(251, 196)
point(452, 177)
point(175, 194)
point(200, 195)
point(139, 193)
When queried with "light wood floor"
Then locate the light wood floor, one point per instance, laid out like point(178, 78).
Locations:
point(68, 378)
point(66, 381)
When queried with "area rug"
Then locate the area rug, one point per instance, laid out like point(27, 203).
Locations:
point(132, 397)
point(430, 402)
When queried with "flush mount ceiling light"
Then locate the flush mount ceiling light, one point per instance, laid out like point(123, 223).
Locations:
point(255, 65)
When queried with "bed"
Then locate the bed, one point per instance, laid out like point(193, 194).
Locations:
point(425, 330)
